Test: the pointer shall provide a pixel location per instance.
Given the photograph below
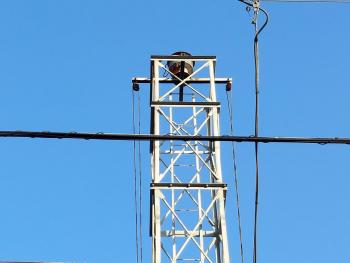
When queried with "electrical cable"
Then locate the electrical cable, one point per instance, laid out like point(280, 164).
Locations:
point(140, 175)
point(256, 133)
point(257, 82)
point(309, 1)
point(229, 106)
point(256, 59)
point(258, 30)
point(168, 137)
point(135, 179)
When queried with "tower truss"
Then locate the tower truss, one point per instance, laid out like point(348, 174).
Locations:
point(187, 191)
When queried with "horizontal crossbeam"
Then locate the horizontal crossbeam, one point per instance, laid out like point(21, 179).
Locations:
point(187, 185)
point(185, 104)
point(189, 81)
point(176, 57)
point(182, 233)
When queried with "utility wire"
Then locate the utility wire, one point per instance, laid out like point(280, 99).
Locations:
point(135, 179)
point(256, 132)
point(229, 106)
point(257, 83)
point(140, 175)
point(257, 9)
point(167, 137)
point(309, 1)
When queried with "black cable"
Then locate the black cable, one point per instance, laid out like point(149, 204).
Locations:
point(258, 30)
point(135, 179)
point(140, 176)
point(256, 133)
point(229, 106)
point(257, 82)
point(168, 137)
point(309, 1)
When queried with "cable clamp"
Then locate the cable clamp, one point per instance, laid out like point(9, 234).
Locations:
point(256, 4)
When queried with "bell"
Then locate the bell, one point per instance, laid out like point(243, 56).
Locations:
point(181, 70)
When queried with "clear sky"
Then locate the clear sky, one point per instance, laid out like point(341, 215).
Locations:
point(66, 65)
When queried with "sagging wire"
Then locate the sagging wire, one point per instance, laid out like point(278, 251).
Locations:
point(256, 7)
point(229, 106)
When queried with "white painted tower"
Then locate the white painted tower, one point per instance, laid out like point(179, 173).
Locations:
point(188, 220)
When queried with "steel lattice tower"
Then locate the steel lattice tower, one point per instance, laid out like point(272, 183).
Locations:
point(187, 191)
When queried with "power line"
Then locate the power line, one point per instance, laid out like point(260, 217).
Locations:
point(153, 137)
point(257, 9)
point(309, 1)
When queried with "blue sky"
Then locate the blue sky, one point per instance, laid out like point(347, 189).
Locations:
point(67, 65)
